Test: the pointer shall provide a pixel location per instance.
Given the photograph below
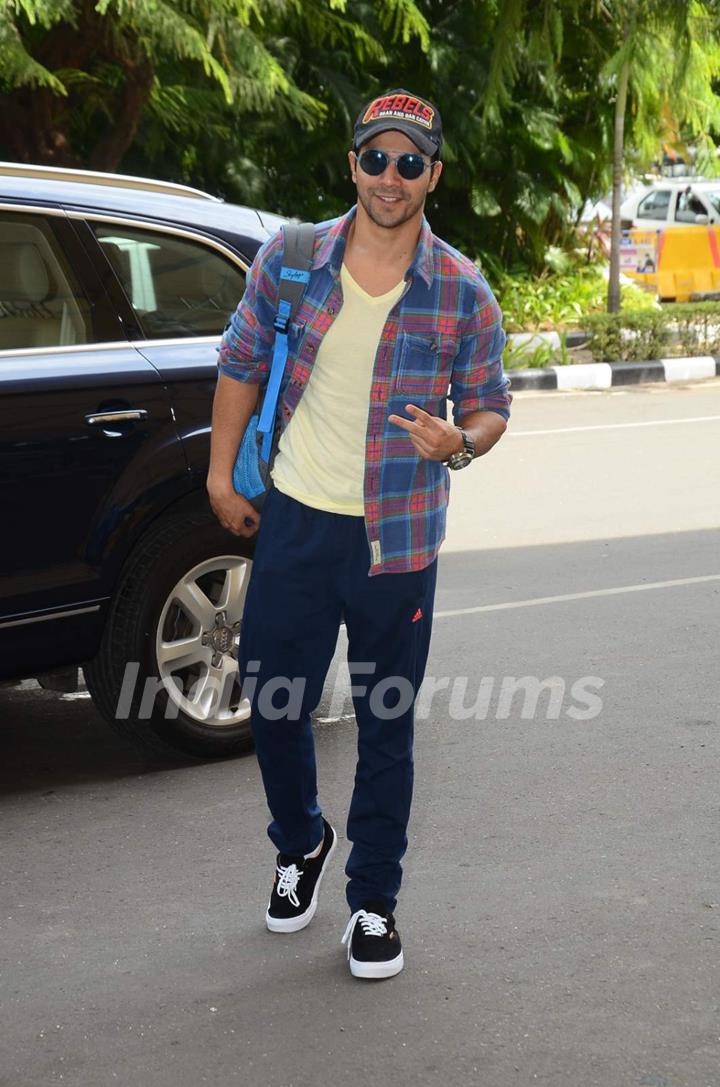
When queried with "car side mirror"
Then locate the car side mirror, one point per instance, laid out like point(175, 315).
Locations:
point(702, 220)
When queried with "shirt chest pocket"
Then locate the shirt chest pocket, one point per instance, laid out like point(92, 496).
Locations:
point(423, 366)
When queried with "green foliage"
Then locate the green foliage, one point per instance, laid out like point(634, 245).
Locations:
point(18, 68)
point(630, 335)
point(675, 329)
point(542, 355)
point(697, 326)
point(254, 100)
point(559, 300)
point(81, 78)
point(673, 52)
point(402, 20)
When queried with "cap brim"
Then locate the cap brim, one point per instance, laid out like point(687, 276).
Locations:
point(421, 141)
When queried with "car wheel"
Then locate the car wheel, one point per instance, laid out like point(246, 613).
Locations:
point(166, 674)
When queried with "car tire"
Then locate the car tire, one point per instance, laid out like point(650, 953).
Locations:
point(166, 672)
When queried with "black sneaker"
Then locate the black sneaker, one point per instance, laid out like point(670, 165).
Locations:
point(373, 943)
point(294, 896)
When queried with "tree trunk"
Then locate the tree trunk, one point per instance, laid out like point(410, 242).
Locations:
point(613, 296)
point(133, 97)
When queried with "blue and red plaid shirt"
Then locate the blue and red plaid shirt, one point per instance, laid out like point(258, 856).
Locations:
point(443, 336)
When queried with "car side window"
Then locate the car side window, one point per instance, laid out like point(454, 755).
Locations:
point(655, 205)
point(688, 207)
point(176, 286)
point(41, 304)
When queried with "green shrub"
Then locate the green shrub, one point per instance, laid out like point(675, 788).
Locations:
point(557, 301)
point(698, 326)
point(636, 335)
point(537, 357)
point(630, 335)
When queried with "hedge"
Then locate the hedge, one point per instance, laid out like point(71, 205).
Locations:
point(679, 328)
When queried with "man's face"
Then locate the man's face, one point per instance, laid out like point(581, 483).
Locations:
point(389, 200)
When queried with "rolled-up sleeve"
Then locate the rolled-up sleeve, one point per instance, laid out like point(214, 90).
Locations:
point(478, 380)
point(246, 347)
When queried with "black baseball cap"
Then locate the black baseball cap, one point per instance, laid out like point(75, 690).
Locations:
point(401, 111)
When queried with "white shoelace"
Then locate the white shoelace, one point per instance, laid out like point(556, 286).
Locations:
point(288, 879)
point(372, 924)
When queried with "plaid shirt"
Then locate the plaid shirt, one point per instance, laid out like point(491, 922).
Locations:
point(443, 335)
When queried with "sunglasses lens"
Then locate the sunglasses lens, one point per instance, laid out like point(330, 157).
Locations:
point(410, 167)
point(373, 162)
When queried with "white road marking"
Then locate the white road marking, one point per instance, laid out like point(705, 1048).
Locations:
point(612, 426)
point(535, 601)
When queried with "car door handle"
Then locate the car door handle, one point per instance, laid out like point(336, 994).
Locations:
point(98, 418)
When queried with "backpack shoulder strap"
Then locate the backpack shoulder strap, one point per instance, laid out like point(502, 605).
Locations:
point(298, 247)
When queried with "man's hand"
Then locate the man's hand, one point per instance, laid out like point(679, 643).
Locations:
point(233, 511)
point(433, 438)
point(233, 405)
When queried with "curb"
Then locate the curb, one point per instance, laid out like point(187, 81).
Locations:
point(605, 375)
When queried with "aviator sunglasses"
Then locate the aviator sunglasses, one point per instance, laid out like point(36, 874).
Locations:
point(409, 166)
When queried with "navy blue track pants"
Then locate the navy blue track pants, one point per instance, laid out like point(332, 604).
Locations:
point(310, 573)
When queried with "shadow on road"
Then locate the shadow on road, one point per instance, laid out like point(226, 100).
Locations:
point(50, 741)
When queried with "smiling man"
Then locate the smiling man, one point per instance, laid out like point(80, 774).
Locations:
point(393, 319)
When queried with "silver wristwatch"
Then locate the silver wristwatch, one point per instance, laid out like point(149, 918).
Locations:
point(465, 456)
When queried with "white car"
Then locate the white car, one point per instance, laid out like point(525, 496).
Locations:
point(673, 201)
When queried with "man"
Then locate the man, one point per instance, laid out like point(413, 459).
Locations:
point(392, 317)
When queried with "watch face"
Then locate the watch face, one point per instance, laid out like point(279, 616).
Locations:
point(460, 460)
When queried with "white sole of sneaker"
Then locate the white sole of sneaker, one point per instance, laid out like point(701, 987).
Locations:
point(360, 969)
point(295, 924)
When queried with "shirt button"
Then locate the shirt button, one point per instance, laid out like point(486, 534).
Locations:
point(331, 310)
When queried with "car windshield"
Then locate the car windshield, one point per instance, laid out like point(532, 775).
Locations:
point(714, 197)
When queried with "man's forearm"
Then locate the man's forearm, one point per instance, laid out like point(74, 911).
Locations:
point(233, 405)
point(485, 428)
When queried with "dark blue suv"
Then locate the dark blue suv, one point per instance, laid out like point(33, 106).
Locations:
point(113, 295)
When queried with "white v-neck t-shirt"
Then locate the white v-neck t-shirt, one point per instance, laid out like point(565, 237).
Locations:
point(321, 455)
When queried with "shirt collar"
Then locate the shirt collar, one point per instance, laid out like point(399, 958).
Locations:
point(332, 248)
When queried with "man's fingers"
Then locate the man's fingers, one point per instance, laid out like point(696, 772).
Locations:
point(422, 447)
point(424, 450)
point(426, 432)
point(243, 521)
point(413, 426)
point(406, 424)
point(418, 435)
point(248, 526)
point(241, 530)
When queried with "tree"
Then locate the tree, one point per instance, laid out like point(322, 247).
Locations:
point(78, 75)
point(254, 100)
point(654, 64)
point(665, 61)
point(200, 88)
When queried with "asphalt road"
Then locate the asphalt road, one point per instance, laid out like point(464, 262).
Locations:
point(561, 902)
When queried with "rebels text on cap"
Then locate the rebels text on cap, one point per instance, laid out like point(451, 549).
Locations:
point(400, 107)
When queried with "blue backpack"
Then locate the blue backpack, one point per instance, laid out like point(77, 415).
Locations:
point(253, 464)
